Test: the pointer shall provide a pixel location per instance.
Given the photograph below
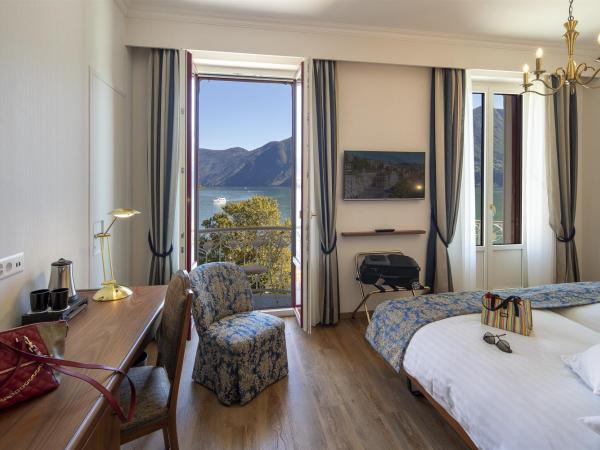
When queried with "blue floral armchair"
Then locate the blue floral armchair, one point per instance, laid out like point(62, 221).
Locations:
point(240, 351)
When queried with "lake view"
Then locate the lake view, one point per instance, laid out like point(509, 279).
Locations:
point(235, 194)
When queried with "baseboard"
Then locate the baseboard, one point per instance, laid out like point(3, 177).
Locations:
point(359, 315)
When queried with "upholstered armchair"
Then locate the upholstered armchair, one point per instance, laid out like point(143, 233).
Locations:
point(240, 351)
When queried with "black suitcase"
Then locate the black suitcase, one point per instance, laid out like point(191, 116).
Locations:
point(397, 271)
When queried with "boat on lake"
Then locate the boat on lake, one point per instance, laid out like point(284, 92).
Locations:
point(220, 201)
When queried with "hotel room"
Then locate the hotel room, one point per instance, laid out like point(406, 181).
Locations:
point(307, 224)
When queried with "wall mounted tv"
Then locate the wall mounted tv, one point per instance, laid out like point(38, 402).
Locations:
point(371, 175)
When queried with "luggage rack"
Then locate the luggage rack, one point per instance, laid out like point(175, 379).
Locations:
point(418, 290)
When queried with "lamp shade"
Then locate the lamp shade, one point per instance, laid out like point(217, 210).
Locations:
point(123, 213)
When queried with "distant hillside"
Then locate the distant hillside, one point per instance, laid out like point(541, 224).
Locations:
point(498, 144)
point(269, 165)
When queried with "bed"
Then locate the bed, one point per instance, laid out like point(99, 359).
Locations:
point(524, 400)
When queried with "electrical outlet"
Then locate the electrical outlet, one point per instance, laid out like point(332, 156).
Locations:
point(12, 265)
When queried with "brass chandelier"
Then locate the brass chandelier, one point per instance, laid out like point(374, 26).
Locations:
point(571, 75)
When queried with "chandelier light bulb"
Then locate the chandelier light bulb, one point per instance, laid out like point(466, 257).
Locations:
point(526, 68)
point(598, 38)
point(539, 53)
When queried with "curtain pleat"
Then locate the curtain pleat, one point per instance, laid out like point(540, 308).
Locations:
point(448, 89)
point(562, 179)
point(163, 160)
point(326, 156)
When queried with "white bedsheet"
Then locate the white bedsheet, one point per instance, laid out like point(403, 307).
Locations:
point(524, 400)
point(588, 315)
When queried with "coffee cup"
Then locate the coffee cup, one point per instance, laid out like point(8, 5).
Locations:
point(39, 300)
point(59, 299)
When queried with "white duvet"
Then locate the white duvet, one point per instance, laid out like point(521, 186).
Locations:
point(524, 400)
point(588, 315)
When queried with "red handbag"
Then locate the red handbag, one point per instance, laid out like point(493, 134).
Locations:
point(31, 361)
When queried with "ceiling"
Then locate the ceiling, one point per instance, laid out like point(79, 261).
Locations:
point(504, 20)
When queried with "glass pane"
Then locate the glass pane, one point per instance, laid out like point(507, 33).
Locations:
point(478, 137)
point(506, 209)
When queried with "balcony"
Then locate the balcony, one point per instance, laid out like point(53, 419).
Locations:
point(497, 230)
point(263, 252)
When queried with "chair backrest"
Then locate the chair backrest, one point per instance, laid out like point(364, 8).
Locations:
point(174, 328)
point(221, 289)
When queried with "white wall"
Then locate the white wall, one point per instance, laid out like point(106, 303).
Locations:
point(46, 49)
point(589, 193)
point(43, 148)
point(109, 134)
point(154, 29)
point(380, 107)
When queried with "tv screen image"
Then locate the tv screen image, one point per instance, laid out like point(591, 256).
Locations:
point(374, 175)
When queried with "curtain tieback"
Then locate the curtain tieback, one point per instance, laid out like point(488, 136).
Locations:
point(438, 232)
point(566, 239)
point(329, 251)
point(153, 249)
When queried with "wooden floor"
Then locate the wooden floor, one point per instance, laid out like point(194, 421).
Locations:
point(339, 395)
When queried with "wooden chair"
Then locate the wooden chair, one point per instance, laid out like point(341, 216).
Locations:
point(157, 386)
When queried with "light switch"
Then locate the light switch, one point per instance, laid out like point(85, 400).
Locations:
point(98, 228)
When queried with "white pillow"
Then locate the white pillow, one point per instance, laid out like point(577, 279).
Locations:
point(587, 366)
point(592, 422)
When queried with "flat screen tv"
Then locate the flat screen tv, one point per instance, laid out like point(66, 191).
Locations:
point(371, 175)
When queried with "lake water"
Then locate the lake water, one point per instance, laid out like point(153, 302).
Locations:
point(208, 208)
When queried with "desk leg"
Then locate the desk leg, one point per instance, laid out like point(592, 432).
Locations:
point(106, 435)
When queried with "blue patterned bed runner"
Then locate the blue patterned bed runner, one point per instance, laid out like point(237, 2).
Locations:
point(394, 322)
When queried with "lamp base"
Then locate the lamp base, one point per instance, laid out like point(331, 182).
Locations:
point(112, 291)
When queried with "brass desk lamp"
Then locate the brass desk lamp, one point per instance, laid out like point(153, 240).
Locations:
point(110, 290)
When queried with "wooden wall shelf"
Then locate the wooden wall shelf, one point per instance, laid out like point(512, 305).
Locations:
point(382, 233)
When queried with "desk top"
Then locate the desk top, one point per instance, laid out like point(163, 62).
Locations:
point(108, 333)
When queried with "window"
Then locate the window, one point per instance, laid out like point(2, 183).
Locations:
point(479, 155)
point(497, 137)
point(507, 131)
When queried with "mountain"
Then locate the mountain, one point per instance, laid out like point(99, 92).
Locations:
point(498, 144)
point(269, 165)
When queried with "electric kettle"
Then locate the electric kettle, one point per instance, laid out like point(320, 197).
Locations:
point(61, 276)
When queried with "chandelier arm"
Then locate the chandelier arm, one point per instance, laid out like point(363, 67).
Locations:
point(583, 67)
point(545, 83)
point(538, 93)
point(561, 72)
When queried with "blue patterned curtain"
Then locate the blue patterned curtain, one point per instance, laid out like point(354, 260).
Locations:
point(562, 179)
point(325, 128)
point(448, 88)
point(163, 159)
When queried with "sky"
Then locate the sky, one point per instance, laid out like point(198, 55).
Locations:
point(243, 114)
point(498, 101)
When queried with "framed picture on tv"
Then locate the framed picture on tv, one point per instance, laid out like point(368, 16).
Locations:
point(375, 175)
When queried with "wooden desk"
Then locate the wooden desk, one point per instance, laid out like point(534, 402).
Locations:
point(76, 415)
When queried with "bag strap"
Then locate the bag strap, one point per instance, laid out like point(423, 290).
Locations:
point(57, 364)
point(504, 303)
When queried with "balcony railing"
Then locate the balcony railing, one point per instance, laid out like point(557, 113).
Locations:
point(497, 229)
point(264, 253)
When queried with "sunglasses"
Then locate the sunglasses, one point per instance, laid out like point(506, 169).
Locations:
point(501, 344)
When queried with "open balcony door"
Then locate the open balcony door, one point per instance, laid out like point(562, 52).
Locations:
point(189, 189)
point(297, 197)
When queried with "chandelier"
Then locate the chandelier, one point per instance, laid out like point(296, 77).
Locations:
point(571, 75)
